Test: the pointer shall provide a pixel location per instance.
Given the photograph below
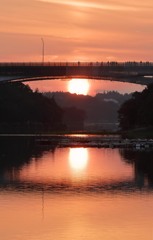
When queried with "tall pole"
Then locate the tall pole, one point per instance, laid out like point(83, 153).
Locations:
point(43, 50)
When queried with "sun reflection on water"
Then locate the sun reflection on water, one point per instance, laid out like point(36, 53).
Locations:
point(78, 158)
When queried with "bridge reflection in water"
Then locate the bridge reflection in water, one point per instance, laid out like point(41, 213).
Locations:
point(26, 167)
point(134, 72)
point(44, 190)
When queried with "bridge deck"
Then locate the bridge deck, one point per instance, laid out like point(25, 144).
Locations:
point(121, 71)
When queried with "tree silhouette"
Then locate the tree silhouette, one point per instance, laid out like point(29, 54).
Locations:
point(138, 111)
point(21, 109)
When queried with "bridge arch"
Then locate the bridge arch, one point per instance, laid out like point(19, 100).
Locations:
point(132, 72)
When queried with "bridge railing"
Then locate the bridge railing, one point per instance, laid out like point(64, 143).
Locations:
point(3, 64)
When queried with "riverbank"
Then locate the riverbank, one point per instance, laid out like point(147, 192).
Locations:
point(146, 132)
point(84, 140)
point(100, 141)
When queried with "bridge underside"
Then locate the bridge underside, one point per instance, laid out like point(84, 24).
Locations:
point(135, 80)
point(136, 73)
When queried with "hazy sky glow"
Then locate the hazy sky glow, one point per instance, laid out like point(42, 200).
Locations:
point(95, 86)
point(76, 30)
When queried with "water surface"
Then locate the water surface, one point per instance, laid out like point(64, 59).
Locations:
point(47, 192)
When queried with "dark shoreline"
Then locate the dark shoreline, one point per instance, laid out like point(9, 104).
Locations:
point(82, 140)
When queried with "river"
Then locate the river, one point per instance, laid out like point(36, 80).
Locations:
point(74, 193)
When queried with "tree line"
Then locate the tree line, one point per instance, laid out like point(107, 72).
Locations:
point(137, 112)
point(23, 110)
point(101, 108)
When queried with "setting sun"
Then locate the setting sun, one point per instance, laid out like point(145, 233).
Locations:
point(78, 86)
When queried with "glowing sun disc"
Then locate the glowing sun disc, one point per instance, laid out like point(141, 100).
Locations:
point(78, 86)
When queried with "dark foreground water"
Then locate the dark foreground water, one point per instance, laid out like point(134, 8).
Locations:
point(47, 192)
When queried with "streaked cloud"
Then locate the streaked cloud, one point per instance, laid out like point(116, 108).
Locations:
point(96, 5)
point(81, 30)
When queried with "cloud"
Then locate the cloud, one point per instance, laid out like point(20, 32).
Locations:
point(95, 5)
point(99, 29)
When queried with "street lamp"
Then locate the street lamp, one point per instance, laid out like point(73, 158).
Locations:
point(43, 50)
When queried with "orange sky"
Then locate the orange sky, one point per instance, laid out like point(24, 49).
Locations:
point(76, 30)
point(96, 86)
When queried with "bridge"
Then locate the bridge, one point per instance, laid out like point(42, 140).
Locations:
point(133, 72)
